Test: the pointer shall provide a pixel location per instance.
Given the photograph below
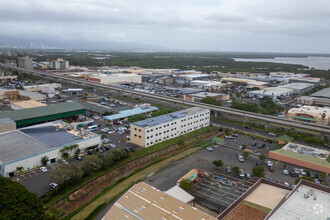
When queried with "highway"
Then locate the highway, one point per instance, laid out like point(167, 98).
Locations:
point(265, 118)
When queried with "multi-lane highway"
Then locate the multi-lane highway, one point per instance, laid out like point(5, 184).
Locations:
point(265, 118)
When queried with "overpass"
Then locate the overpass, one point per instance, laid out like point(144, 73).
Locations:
point(225, 110)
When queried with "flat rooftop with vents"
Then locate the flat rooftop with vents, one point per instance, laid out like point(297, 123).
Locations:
point(169, 117)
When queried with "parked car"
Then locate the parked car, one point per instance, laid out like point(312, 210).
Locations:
point(234, 135)
point(317, 181)
point(228, 170)
point(254, 144)
point(303, 172)
point(247, 175)
point(80, 158)
point(44, 169)
point(262, 145)
point(241, 173)
point(64, 161)
point(210, 149)
point(53, 185)
point(293, 186)
point(293, 174)
point(296, 170)
point(240, 158)
point(286, 184)
point(129, 149)
point(272, 134)
point(271, 169)
point(285, 172)
point(269, 163)
point(113, 145)
point(247, 127)
point(229, 137)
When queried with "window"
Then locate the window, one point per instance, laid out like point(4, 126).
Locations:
point(147, 131)
point(147, 137)
point(156, 128)
point(135, 135)
point(135, 129)
point(152, 129)
point(156, 135)
point(139, 130)
point(139, 136)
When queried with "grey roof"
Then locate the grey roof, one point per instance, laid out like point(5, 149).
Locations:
point(15, 144)
point(297, 85)
point(21, 114)
point(50, 135)
point(169, 117)
point(324, 93)
point(4, 121)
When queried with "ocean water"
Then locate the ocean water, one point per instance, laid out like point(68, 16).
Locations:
point(322, 63)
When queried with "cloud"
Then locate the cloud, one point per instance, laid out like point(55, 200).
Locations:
point(183, 24)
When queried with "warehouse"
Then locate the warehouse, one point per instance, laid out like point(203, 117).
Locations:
point(25, 147)
point(143, 201)
point(271, 92)
point(298, 88)
point(313, 114)
point(71, 111)
point(40, 87)
point(158, 129)
point(207, 85)
point(26, 104)
point(186, 79)
point(116, 79)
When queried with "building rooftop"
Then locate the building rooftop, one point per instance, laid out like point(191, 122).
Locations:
point(113, 75)
point(307, 201)
point(271, 91)
point(22, 114)
point(180, 194)
point(143, 201)
point(130, 112)
point(297, 85)
point(206, 94)
point(324, 93)
point(29, 104)
point(169, 117)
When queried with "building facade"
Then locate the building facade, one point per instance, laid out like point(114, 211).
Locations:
point(116, 79)
point(158, 129)
point(25, 63)
point(59, 64)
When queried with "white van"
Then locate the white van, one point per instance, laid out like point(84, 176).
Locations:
point(93, 127)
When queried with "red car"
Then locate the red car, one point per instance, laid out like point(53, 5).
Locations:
point(116, 123)
point(271, 169)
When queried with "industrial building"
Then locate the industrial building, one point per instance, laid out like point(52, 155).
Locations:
point(41, 87)
point(143, 201)
point(125, 114)
point(4, 78)
point(71, 111)
point(302, 155)
point(158, 129)
point(298, 88)
point(20, 95)
point(116, 79)
point(186, 79)
point(201, 95)
point(297, 79)
point(26, 104)
point(59, 64)
point(320, 98)
point(257, 202)
point(308, 113)
point(206, 85)
point(27, 146)
point(245, 82)
point(271, 92)
point(25, 63)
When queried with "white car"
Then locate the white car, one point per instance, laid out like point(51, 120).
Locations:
point(44, 169)
point(302, 172)
point(286, 184)
point(272, 134)
point(111, 132)
point(269, 163)
point(53, 185)
point(210, 149)
point(285, 172)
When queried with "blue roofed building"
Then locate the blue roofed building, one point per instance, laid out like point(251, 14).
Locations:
point(124, 115)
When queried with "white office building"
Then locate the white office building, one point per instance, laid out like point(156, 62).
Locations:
point(59, 64)
point(158, 129)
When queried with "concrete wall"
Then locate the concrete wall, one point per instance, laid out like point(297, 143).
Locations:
point(32, 161)
point(138, 136)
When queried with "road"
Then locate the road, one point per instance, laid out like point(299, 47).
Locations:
point(266, 118)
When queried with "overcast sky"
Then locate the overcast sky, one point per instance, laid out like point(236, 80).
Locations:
point(224, 25)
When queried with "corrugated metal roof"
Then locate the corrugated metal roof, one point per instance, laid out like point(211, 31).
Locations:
point(130, 112)
point(324, 93)
point(4, 121)
point(22, 114)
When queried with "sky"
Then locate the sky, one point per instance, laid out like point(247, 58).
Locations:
point(212, 25)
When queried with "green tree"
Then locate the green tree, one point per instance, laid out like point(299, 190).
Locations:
point(16, 202)
point(235, 170)
point(66, 173)
point(91, 163)
point(19, 169)
point(322, 176)
point(218, 163)
point(65, 155)
point(308, 178)
point(211, 101)
point(136, 118)
point(246, 154)
point(258, 171)
point(77, 152)
point(106, 113)
point(186, 184)
point(44, 160)
point(263, 157)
